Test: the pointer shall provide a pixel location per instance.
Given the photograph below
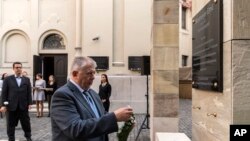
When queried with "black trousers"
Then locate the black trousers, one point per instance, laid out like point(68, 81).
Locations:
point(13, 117)
point(49, 96)
point(106, 137)
point(106, 105)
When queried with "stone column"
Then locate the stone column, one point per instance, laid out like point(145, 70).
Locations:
point(164, 97)
point(78, 47)
point(118, 41)
point(240, 43)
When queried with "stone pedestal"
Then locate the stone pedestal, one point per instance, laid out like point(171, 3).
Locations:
point(171, 137)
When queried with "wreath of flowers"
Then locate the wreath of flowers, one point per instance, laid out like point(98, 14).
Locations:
point(124, 131)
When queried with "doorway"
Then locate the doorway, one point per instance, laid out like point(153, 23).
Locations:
point(52, 64)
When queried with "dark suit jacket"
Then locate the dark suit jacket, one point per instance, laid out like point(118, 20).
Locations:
point(18, 97)
point(73, 120)
point(105, 92)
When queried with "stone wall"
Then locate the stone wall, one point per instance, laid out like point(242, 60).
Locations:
point(241, 61)
point(214, 112)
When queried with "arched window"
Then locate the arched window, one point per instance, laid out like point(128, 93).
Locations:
point(54, 41)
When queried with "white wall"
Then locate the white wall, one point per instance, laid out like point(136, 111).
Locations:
point(185, 37)
point(24, 24)
point(126, 90)
point(135, 37)
point(37, 18)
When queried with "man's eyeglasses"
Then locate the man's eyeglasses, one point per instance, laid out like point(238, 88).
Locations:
point(17, 67)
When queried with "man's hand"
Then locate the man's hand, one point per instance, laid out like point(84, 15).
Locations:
point(123, 114)
point(3, 109)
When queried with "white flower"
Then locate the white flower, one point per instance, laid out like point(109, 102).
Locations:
point(6, 103)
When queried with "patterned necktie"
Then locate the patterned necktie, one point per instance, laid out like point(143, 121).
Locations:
point(91, 103)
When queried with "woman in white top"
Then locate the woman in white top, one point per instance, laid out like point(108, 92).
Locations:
point(1, 85)
point(1, 81)
point(39, 95)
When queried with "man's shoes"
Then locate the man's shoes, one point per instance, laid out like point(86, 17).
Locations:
point(28, 139)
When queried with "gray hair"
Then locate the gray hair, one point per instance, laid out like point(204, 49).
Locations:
point(80, 62)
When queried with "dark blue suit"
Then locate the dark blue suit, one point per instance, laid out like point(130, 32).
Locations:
point(18, 98)
point(73, 120)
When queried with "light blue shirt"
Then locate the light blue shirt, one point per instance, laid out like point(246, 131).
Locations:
point(18, 80)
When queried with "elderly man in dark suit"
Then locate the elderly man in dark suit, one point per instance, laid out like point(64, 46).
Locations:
point(77, 113)
point(16, 101)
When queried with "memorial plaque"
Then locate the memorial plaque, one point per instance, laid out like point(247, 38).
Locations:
point(101, 61)
point(134, 63)
point(207, 47)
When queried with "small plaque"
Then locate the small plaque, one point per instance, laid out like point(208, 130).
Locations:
point(101, 61)
point(134, 63)
point(207, 47)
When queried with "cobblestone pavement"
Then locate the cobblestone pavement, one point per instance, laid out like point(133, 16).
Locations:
point(41, 128)
point(185, 114)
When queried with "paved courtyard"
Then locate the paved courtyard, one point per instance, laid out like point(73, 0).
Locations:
point(41, 128)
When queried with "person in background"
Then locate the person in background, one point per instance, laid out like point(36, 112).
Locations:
point(39, 95)
point(1, 85)
point(4, 75)
point(24, 73)
point(77, 112)
point(50, 89)
point(16, 101)
point(105, 91)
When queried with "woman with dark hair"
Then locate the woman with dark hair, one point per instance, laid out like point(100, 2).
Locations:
point(39, 95)
point(51, 88)
point(1, 81)
point(4, 76)
point(105, 91)
point(1, 84)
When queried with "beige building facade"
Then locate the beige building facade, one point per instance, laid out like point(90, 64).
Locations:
point(38, 32)
point(185, 32)
point(70, 27)
point(45, 35)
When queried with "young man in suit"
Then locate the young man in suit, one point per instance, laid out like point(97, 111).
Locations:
point(16, 101)
point(77, 112)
